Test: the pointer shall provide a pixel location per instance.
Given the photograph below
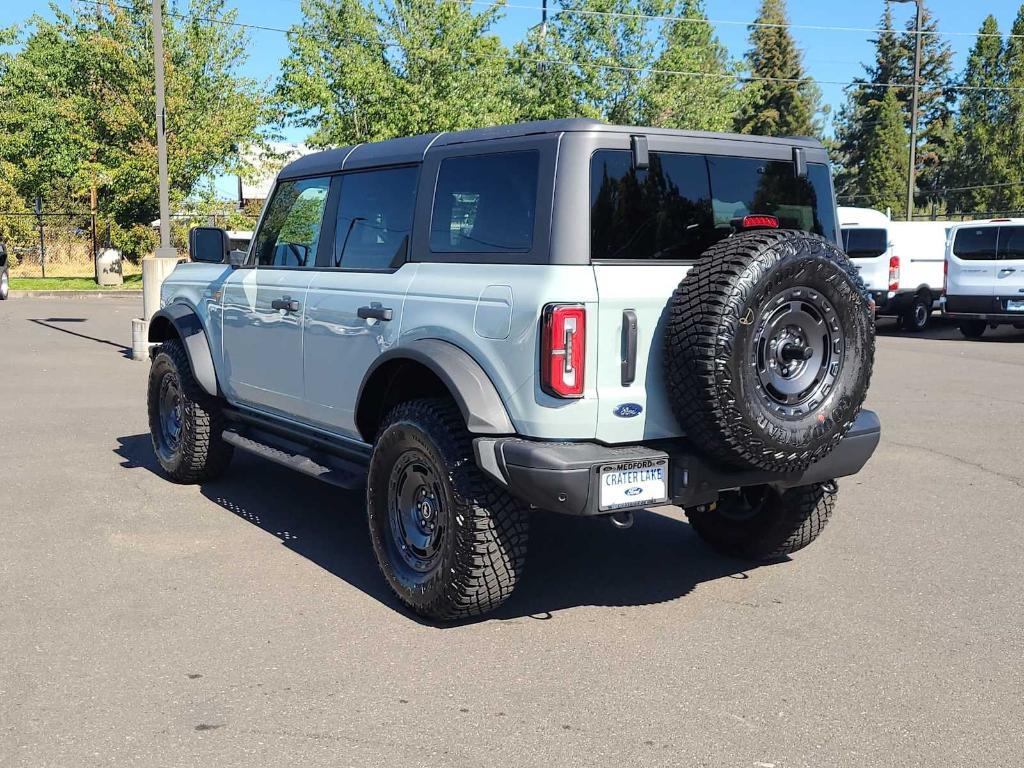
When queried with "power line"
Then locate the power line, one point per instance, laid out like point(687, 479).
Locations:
point(621, 67)
point(734, 22)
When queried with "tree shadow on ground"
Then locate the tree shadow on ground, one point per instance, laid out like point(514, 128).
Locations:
point(571, 562)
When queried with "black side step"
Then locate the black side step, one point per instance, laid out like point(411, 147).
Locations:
point(322, 466)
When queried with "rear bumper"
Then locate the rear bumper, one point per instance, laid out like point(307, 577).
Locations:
point(891, 303)
point(990, 308)
point(564, 477)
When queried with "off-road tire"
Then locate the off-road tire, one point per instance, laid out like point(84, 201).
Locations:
point(199, 453)
point(918, 314)
point(763, 524)
point(972, 329)
point(710, 345)
point(481, 549)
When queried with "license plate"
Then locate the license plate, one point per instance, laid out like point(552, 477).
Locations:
point(1015, 306)
point(634, 483)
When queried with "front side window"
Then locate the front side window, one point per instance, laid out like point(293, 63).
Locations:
point(865, 243)
point(375, 218)
point(682, 204)
point(290, 232)
point(975, 243)
point(485, 203)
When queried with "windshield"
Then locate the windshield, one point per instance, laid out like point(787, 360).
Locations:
point(682, 204)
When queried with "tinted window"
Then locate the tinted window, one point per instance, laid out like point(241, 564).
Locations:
point(663, 212)
point(1011, 242)
point(865, 243)
point(290, 232)
point(485, 204)
point(375, 218)
point(683, 204)
point(975, 243)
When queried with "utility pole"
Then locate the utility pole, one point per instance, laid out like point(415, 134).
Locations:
point(916, 86)
point(154, 270)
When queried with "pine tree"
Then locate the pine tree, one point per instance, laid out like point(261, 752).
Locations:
point(884, 173)
point(709, 101)
point(1013, 70)
point(782, 100)
point(980, 126)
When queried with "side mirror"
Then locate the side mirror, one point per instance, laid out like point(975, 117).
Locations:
point(208, 244)
point(236, 258)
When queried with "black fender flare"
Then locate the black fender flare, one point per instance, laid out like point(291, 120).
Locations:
point(470, 386)
point(187, 325)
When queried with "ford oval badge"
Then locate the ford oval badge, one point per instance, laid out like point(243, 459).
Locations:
point(628, 410)
point(636, 490)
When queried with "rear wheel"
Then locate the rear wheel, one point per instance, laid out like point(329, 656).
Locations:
point(973, 329)
point(5, 285)
point(450, 542)
point(185, 423)
point(760, 523)
point(916, 318)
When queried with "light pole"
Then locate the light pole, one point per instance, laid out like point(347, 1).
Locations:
point(911, 169)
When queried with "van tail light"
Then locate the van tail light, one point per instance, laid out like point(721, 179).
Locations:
point(945, 276)
point(894, 273)
point(563, 349)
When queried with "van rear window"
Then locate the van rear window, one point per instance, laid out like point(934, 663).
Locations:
point(975, 243)
point(682, 204)
point(865, 243)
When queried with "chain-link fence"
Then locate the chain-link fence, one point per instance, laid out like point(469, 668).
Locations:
point(50, 244)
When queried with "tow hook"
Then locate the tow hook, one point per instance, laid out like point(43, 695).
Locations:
point(622, 520)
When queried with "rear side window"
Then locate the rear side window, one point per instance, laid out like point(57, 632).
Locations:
point(1011, 242)
point(682, 204)
point(290, 232)
point(865, 243)
point(485, 203)
point(375, 218)
point(975, 243)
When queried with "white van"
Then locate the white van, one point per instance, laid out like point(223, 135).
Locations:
point(900, 261)
point(985, 275)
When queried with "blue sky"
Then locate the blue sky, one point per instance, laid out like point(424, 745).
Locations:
point(829, 55)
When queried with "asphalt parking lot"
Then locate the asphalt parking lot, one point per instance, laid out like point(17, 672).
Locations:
point(244, 623)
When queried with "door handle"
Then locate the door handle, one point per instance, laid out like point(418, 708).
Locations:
point(375, 313)
point(287, 304)
point(1007, 269)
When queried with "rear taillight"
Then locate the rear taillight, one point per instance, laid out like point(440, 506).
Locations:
point(894, 273)
point(562, 349)
point(945, 276)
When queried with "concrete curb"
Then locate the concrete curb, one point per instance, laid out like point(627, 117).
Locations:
point(129, 294)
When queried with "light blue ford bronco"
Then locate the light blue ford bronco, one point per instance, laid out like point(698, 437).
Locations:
point(562, 316)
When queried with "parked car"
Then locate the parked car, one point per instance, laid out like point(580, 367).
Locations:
point(900, 262)
point(5, 276)
point(563, 316)
point(985, 275)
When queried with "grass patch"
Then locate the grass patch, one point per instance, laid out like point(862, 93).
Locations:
point(131, 282)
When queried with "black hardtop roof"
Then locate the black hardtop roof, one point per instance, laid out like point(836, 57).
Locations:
point(413, 148)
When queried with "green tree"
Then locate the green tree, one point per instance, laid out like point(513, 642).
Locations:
point(884, 174)
point(707, 101)
point(364, 71)
point(1013, 70)
point(591, 61)
point(781, 99)
point(980, 126)
point(78, 121)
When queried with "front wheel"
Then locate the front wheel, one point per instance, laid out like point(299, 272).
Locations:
point(185, 423)
point(450, 542)
point(972, 329)
point(761, 523)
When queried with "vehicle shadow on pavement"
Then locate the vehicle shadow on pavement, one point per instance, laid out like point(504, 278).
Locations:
point(571, 562)
point(943, 329)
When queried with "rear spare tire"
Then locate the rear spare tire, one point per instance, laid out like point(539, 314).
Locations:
point(768, 350)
